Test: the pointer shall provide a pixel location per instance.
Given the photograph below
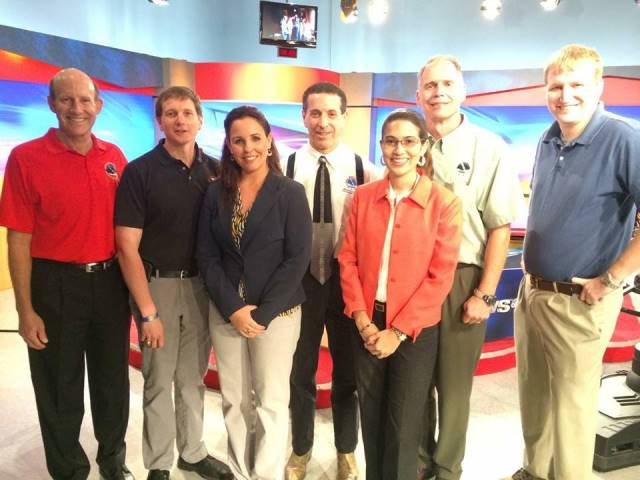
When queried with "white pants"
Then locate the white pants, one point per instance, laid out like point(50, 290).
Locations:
point(254, 379)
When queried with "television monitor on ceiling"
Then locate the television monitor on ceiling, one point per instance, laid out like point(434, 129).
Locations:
point(288, 24)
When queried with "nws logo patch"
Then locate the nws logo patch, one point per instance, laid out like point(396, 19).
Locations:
point(350, 185)
point(111, 170)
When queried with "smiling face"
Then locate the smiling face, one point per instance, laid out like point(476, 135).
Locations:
point(573, 96)
point(401, 149)
point(179, 122)
point(76, 105)
point(324, 121)
point(440, 91)
point(249, 145)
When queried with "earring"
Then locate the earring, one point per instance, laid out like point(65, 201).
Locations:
point(269, 152)
point(422, 161)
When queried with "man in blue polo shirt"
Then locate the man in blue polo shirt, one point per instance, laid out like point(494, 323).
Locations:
point(585, 190)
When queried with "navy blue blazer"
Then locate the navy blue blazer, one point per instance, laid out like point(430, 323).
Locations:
point(274, 251)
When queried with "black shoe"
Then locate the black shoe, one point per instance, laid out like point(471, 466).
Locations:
point(123, 474)
point(208, 468)
point(158, 475)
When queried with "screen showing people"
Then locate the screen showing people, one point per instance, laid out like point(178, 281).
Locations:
point(288, 24)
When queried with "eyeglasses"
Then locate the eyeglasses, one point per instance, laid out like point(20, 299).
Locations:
point(407, 143)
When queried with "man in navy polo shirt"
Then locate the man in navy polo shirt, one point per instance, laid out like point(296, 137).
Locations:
point(156, 215)
point(585, 191)
point(57, 202)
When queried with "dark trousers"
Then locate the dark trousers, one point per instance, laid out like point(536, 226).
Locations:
point(324, 306)
point(86, 316)
point(392, 393)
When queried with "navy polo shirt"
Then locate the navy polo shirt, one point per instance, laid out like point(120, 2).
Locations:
point(583, 199)
point(162, 196)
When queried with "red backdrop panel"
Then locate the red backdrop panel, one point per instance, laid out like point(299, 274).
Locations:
point(259, 82)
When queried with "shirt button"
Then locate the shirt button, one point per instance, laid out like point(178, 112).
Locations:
point(561, 157)
point(397, 225)
point(394, 251)
point(184, 168)
point(392, 280)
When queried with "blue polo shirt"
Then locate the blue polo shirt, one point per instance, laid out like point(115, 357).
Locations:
point(583, 199)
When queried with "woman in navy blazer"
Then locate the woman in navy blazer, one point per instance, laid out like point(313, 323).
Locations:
point(254, 246)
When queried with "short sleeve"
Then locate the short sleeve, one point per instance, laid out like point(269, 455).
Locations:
point(130, 206)
point(17, 205)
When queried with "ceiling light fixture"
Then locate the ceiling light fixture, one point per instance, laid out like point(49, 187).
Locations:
point(491, 9)
point(160, 3)
point(377, 11)
point(549, 5)
point(348, 11)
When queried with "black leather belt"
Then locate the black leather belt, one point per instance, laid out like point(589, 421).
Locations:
point(93, 267)
point(557, 287)
point(379, 306)
point(174, 273)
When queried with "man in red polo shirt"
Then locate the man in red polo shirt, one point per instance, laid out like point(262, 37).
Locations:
point(57, 203)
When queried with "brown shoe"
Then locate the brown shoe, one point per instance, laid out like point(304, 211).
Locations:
point(347, 467)
point(296, 467)
point(521, 474)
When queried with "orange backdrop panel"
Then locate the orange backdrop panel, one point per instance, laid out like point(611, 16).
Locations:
point(260, 82)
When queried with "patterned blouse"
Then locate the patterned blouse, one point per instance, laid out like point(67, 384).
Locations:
point(238, 222)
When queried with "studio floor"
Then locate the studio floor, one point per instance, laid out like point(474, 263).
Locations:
point(494, 441)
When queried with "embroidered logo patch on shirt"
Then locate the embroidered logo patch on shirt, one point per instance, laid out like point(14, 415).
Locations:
point(111, 170)
point(350, 185)
point(463, 168)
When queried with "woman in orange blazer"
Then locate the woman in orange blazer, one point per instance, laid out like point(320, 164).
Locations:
point(396, 268)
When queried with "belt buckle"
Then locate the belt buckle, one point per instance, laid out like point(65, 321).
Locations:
point(183, 274)
point(90, 267)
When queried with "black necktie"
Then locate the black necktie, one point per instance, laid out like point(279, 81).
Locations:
point(322, 244)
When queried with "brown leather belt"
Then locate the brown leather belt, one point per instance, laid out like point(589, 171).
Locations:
point(557, 287)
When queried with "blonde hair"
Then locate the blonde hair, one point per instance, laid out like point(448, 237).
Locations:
point(438, 59)
point(570, 55)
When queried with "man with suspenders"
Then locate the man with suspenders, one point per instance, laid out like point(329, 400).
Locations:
point(330, 172)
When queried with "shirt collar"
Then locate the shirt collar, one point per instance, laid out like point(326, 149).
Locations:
point(586, 137)
point(453, 138)
point(167, 159)
point(332, 157)
point(55, 146)
point(419, 194)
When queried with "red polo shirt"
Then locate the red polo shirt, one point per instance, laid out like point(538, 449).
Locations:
point(63, 198)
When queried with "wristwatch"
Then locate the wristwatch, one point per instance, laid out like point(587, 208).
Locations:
point(400, 334)
point(490, 300)
point(609, 281)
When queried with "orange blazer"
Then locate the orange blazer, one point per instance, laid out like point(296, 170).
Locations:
point(424, 253)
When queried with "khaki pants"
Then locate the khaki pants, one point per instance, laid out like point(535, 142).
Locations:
point(560, 342)
point(173, 399)
point(460, 347)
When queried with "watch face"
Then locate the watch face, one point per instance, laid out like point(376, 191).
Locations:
point(490, 300)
